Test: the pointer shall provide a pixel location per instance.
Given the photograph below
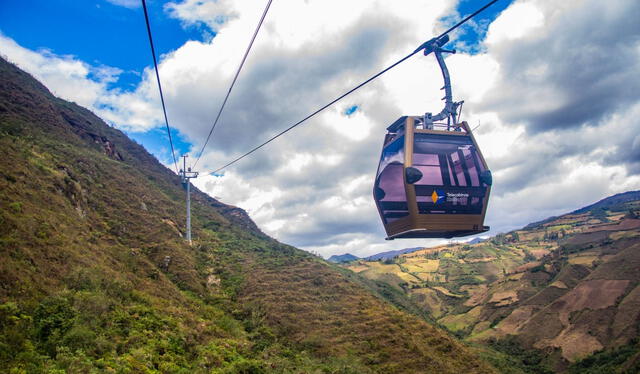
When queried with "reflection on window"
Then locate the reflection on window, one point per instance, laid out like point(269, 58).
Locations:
point(446, 161)
point(450, 169)
point(392, 152)
point(389, 187)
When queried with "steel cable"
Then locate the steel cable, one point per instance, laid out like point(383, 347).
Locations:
point(155, 65)
point(233, 82)
point(420, 48)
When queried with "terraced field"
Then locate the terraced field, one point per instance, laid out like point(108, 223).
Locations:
point(564, 286)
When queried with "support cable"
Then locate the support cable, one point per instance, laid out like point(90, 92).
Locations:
point(155, 65)
point(427, 46)
point(314, 113)
point(233, 82)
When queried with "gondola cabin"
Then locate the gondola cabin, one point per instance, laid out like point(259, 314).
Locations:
point(432, 182)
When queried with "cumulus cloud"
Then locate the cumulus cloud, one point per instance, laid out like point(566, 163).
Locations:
point(125, 3)
point(565, 65)
point(563, 121)
point(553, 88)
point(196, 12)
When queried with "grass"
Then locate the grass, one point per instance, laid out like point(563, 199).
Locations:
point(460, 322)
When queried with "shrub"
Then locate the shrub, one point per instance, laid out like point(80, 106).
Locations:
point(53, 318)
point(618, 360)
point(529, 361)
point(15, 331)
point(528, 256)
point(244, 366)
point(80, 338)
point(16, 207)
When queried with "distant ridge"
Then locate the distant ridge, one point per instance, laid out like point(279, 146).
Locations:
point(391, 254)
point(338, 259)
point(611, 201)
point(477, 240)
point(606, 203)
point(342, 258)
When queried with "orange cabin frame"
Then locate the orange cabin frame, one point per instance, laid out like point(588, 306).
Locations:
point(417, 224)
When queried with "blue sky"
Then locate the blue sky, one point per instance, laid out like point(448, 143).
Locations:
point(475, 30)
point(97, 32)
point(547, 107)
point(102, 33)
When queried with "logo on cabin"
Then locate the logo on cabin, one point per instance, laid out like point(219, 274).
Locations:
point(438, 196)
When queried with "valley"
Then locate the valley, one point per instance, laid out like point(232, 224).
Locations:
point(566, 287)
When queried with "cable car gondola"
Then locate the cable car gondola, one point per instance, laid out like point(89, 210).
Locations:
point(432, 181)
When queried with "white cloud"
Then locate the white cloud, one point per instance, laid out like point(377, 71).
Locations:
point(126, 3)
point(213, 13)
point(520, 19)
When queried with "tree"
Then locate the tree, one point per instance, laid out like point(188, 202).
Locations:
point(515, 236)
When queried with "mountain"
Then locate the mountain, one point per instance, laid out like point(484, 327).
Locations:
point(476, 240)
point(342, 258)
point(391, 254)
point(615, 202)
point(96, 275)
point(347, 257)
point(560, 295)
point(618, 202)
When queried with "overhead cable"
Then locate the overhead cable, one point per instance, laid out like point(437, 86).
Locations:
point(424, 46)
point(233, 82)
point(155, 65)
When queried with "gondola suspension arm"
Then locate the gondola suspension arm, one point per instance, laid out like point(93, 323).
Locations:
point(450, 110)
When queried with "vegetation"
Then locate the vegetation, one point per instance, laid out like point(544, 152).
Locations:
point(621, 360)
point(516, 358)
point(97, 278)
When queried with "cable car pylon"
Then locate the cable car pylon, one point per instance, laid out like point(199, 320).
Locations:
point(186, 174)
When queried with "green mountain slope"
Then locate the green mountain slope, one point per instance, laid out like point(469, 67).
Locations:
point(567, 286)
point(96, 277)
